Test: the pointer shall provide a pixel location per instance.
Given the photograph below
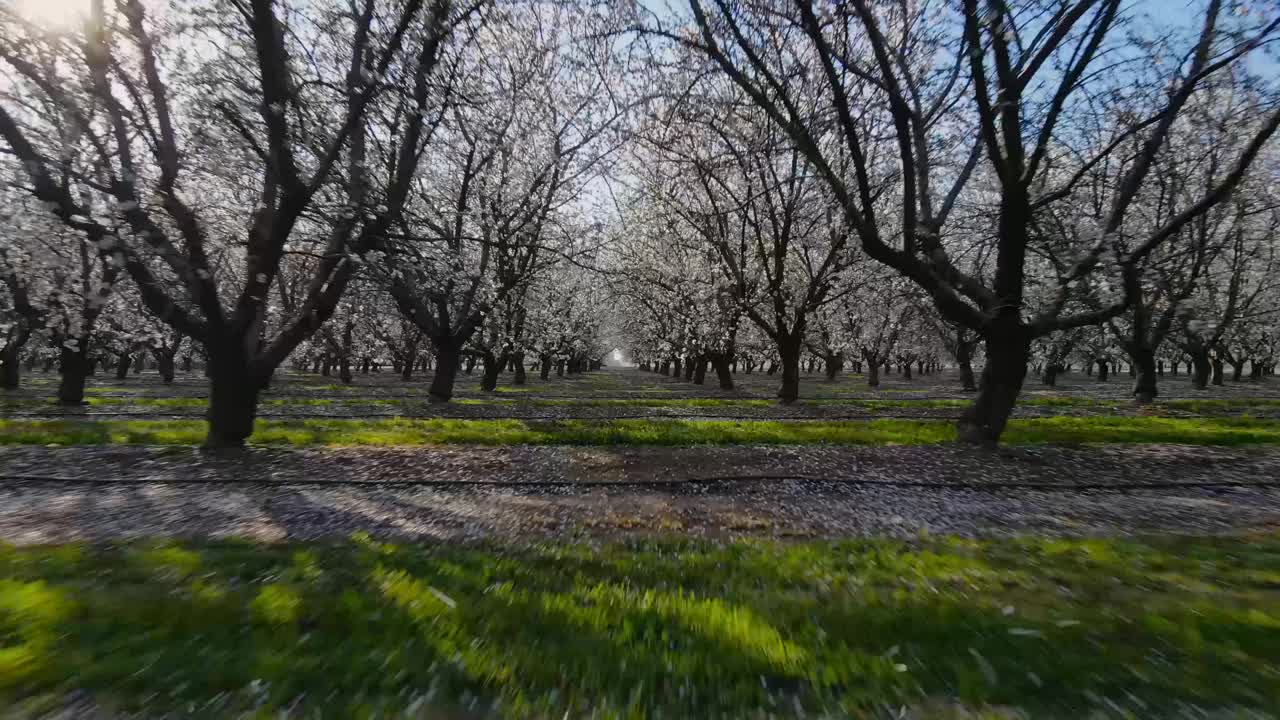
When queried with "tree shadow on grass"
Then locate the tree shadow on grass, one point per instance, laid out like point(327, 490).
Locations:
point(684, 629)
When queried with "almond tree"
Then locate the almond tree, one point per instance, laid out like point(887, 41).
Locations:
point(530, 124)
point(1023, 77)
point(183, 144)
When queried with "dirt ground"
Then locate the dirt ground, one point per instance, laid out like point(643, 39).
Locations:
point(96, 493)
point(529, 493)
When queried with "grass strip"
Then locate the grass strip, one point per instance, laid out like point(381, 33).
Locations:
point(1051, 628)
point(437, 431)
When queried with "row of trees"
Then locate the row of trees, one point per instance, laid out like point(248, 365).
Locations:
point(1029, 170)
point(244, 164)
point(725, 183)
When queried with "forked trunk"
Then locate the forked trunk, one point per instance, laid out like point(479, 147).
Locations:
point(984, 421)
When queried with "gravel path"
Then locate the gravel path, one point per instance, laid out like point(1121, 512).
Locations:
point(264, 505)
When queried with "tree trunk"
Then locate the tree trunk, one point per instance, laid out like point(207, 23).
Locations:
point(1050, 377)
point(447, 361)
point(873, 372)
point(723, 374)
point(11, 361)
point(984, 421)
point(832, 363)
point(688, 369)
point(906, 371)
point(233, 401)
point(344, 369)
point(1218, 368)
point(1201, 369)
point(789, 353)
point(1143, 361)
point(964, 358)
point(1104, 369)
point(700, 371)
point(73, 365)
point(123, 363)
point(10, 367)
point(560, 368)
point(517, 364)
point(544, 367)
point(1237, 370)
point(676, 368)
point(492, 368)
point(164, 364)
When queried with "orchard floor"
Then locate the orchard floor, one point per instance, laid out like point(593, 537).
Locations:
point(621, 545)
point(619, 453)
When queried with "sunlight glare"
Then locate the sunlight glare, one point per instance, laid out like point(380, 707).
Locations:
point(53, 14)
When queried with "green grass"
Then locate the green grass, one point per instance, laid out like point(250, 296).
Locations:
point(1198, 431)
point(673, 629)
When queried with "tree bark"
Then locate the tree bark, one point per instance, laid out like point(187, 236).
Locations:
point(1143, 361)
point(1201, 369)
point(964, 358)
point(723, 373)
point(517, 364)
point(123, 363)
point(984, 421)
point(448, 358)
point(789, 352)
point(1051, 371)
point(1218, 368)
point(233, 400)
point(700, 371)
point(832, 365)
point(1103, 370)
point(873, 371)
point(73, 365)
point(544, 367)
point(492, 369)
point(164, 364)
point(10, 367)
